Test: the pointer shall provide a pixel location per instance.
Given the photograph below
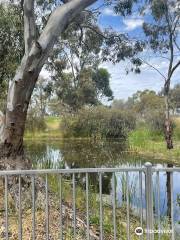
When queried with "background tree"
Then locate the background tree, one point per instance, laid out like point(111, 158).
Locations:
point(41, 96)
point(162, 37)
point(11, 46)
point(147, 106)
point(175, 99)
point(91, 85)
point(75, 62)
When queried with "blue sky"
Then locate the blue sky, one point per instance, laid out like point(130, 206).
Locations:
point(124, 85)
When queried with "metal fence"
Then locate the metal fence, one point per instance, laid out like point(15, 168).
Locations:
point(150, 221)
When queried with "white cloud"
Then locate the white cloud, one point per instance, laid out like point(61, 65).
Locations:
point(132, 23)
point(108, 12)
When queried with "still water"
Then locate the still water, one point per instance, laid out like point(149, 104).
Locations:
point(89, 154)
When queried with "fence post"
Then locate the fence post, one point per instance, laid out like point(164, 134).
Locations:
point(149, 200)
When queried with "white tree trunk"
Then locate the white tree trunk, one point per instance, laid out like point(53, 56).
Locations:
point(2, 126)
point(36, 54)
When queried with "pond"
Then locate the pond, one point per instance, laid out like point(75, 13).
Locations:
point(91, 154)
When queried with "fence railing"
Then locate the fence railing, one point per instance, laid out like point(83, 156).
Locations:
point(151, 220)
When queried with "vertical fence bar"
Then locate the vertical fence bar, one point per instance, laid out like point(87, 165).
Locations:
point(149, 201)
point(101, 206)
point(20, 212)
point(47, 209)
point(172, 206)
point(140, 201)
point(60, 206)
point(114, 204)
point(33, 208)
point(74, 205)
point(87, 204)
point(6, 207)
point(158, 206)
point(127, 202)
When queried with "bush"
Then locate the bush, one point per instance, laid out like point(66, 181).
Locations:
point(155, 120)
point(176, 122)
point(98, 122)
point(35, 123)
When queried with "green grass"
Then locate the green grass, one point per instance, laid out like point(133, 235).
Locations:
point(152, 144)
point(177, 128)
point(52, 122)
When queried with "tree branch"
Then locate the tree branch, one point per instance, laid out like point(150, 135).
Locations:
point(176, 44)
point(153, 68)
point(170, 32)
point(175, 67)
point(59, 19)
point(72, 66)
point(66, 1)
point(29, 24)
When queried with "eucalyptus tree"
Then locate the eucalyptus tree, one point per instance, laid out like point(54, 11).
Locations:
point(77, 57)
point(36, 53)
point(161, 38)
point(75, 64)
point(91, 86)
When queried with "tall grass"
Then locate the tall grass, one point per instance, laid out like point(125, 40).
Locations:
point(152, 143)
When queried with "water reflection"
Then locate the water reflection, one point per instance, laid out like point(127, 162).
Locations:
point(82, 154)
point(86, 154)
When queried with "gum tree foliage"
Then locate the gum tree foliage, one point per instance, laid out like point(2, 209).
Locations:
point(77, 56)
point(74, 64)
point(11, 46)
point(90, 86)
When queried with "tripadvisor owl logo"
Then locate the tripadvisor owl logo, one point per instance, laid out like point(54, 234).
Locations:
point(139, 231)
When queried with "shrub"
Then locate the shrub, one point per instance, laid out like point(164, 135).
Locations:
point(98, 122)
point(155, 120)
point(35, 123)
point(176, 122)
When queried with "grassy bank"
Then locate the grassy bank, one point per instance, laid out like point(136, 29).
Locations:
point(152, 144)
